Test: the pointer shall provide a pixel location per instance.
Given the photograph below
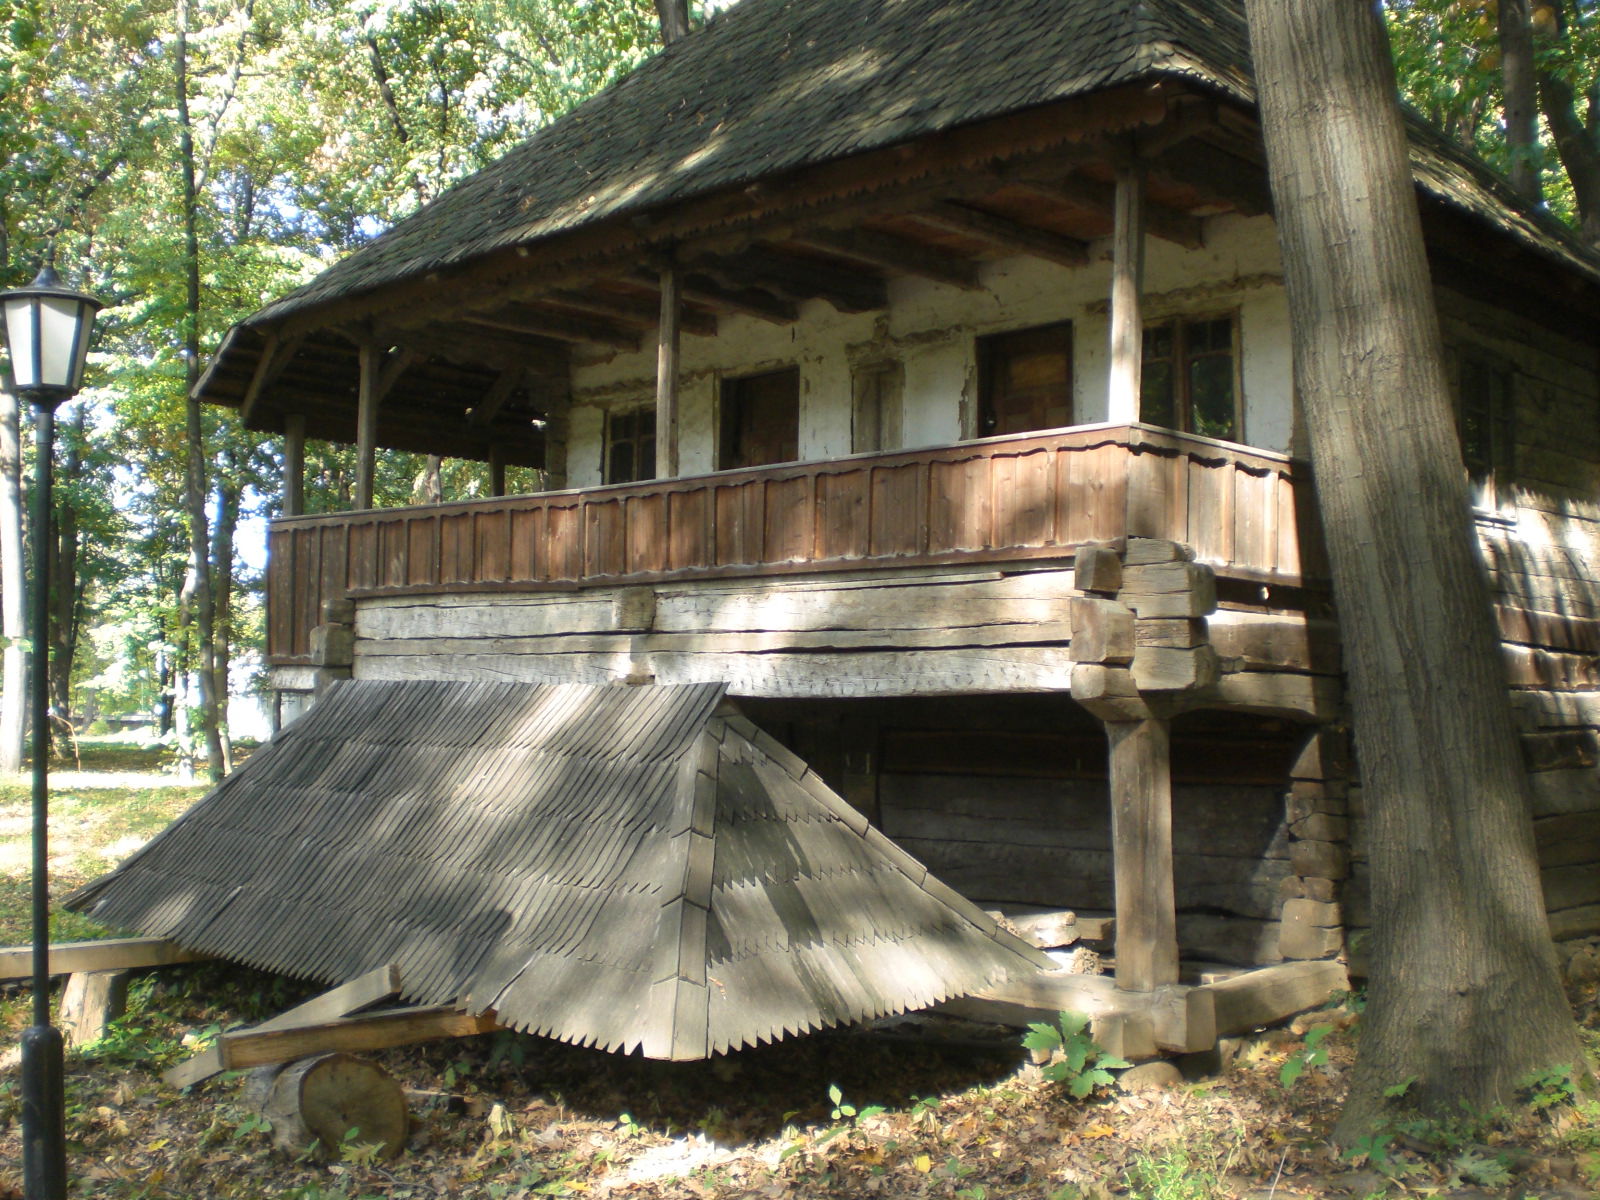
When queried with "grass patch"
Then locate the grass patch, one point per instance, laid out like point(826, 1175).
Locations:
point(94, 824)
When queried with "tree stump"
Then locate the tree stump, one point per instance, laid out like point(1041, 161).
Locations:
point(90, 1001)
point(327, 1096)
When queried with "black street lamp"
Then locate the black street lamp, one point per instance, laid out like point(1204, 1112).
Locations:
point(48, 328)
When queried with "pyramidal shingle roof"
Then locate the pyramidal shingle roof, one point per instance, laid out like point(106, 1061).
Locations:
point(634, 868)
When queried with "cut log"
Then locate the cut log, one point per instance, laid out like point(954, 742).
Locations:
point(90, 1001)
point(373, 1031)
point(334, 1099)
point(1265, 997)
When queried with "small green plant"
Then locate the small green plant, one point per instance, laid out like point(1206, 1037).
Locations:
point(1549, 1088)
point(1078, 1061)
point(630, 1128)
point(848, 1112)
point(1312, 1054)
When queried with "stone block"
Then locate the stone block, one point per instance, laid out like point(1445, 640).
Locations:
point(1143, 552)
point(1309, 942)
point(1165, 669)
point(340, 610)
point(1102, 631)
point(1321, 827)
point(1325, 755)
point(1312, 912)
point(333, 645)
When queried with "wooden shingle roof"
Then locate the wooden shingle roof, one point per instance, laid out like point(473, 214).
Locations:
point(777, 86)
point(634, 868)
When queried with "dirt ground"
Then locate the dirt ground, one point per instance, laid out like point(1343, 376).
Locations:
point(964, 1114)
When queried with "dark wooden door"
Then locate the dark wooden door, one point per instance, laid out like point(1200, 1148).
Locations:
point(761, 419)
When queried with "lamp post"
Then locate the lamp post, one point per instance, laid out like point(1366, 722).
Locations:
point(48, 328)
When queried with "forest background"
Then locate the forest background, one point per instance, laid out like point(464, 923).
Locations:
point(188, 164)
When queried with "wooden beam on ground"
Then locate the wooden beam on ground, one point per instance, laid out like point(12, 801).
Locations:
point(1174, 1018)
point(894, 253)
point(1141, 848)
point(294, 464)
point(113, 954)
point(367, 400)
point(1265, 997)
point(667, 341)
point(370, 1031)
point(376, 986)
point(1006, 233)
point(1127, 283)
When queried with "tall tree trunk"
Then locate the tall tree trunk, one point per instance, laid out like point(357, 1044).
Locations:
point(65, 589)
point(674, 16)
point(195, 478)
point(1464, 999)
point(1515, 22)
point(228, 494)
point(13, 593)
point(1577, 140)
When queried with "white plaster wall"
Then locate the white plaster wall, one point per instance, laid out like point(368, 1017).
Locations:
point(932, 330)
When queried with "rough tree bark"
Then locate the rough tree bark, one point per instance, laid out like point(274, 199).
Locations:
point(674, 16)
point(195, 476)
point(13, 597)
point(1515, 31)
point(1464, 999)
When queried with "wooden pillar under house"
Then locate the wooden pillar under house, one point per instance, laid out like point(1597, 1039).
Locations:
point(294, 465)
point(367, 398)
point(1127, 285)
point(667, 374)
point(1141, 845)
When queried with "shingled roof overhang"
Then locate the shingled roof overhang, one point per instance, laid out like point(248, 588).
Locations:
point(788, 116)
point(633, 868)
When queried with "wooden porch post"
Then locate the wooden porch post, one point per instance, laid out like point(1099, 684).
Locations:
point(497, 471)
point(1141, 846)
point(294, 464)
point(667, 374)
point(1127, 283)
point(367, 423)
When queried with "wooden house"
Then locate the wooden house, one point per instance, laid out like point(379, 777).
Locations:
point(919, 370)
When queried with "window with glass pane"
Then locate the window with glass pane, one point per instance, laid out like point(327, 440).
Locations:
point(631, 445)
point(1190, 381)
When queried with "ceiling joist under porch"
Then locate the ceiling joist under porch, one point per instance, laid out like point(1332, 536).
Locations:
point(458, 376)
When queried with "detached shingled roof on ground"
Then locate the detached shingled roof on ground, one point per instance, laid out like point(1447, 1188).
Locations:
point(634, 868)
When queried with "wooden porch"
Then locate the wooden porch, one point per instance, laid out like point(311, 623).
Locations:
point(1248, 513)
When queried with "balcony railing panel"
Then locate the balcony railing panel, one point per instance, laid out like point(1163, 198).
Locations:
point(1028, 497)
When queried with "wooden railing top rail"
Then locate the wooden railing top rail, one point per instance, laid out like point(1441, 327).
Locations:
point(1133, 436)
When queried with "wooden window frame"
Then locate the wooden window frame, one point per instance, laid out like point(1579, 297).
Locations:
point(610, 438)
point(877, 406)
point(1181, 399)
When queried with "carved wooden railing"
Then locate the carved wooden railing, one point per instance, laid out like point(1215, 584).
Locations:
point(995, 500)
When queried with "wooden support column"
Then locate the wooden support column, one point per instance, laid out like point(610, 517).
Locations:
point(367, 398)
point(1141, 846)
point(1127, 285)
point(667, 374)
point(497, 471)
point(294, 465)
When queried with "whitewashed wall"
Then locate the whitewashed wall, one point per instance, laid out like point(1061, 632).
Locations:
point(932, 329)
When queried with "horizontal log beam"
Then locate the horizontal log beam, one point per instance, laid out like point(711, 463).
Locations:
point(796, 279)
point(896, 254)
point(640, 312)
point(1006, 233)
point(372, 1031)
point(747, 301)
point(1160, 221)
point(527, 319)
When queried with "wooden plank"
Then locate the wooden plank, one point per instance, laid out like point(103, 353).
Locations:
point(740, 522)
point(689, 529)
point(422, 562)
point(1272, 994)
point(527, 531)
point(374, 987)
point(112, 954)
point(604, 536)
point(1141, 835)
point(960, 512)
point(843, 514)
point(491, 535)
point(1024, 508)
point(372, 1031)
point(899, 510)
point(645, 522)
point(790, 527)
